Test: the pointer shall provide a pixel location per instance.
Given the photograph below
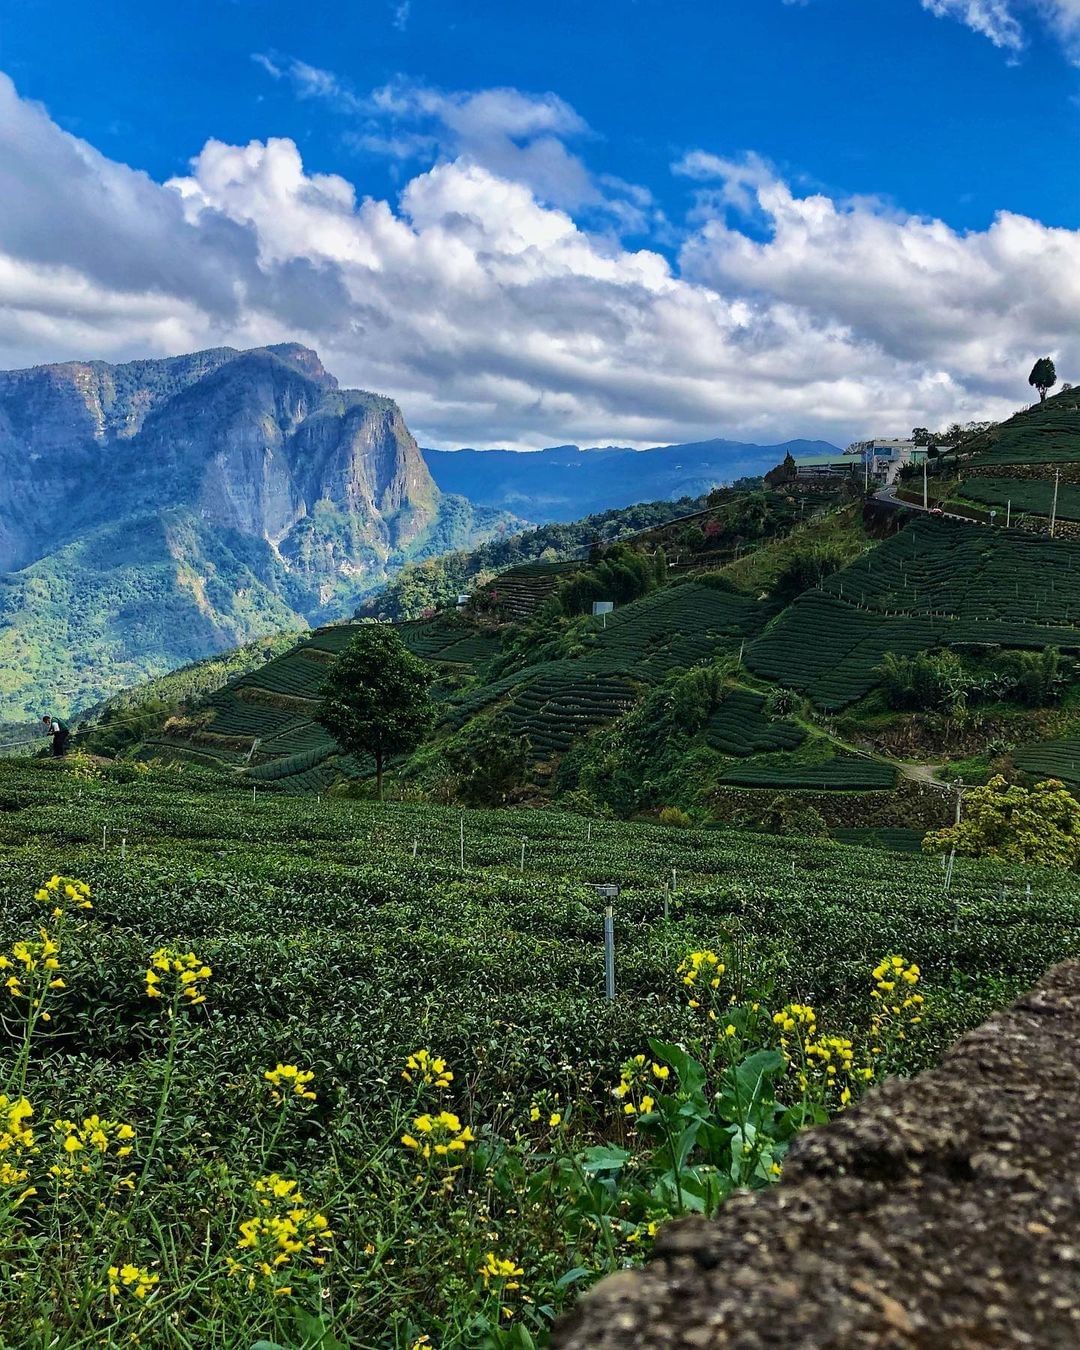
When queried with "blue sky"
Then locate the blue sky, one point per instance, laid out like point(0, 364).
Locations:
point(747, 184)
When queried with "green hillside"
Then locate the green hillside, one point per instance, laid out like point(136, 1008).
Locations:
point(765, 646)
point(617, 719)
point(1046, 433)
point(437, 581)
point(1018, 467)
point(935, 584)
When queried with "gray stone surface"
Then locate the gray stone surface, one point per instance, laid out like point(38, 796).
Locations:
point(941, 1213)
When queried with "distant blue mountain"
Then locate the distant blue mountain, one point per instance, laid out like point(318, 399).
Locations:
point(565, 482)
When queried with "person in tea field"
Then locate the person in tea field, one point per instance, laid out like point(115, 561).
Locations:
point(60, 733)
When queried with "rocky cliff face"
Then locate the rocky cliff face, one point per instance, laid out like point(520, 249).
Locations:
point(253, 441)
point(199, 500)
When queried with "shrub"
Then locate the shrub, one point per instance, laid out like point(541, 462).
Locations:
point(676, 818)
point(490, 760)
point(1015, 824)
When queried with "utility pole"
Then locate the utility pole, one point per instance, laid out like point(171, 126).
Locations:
point(925, 502)
point(1053, 509)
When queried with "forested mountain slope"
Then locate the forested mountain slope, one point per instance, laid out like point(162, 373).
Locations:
point(156, 512)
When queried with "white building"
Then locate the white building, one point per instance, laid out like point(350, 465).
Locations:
point(886, 457)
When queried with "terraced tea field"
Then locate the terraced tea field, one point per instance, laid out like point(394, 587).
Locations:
point(1051, 759)
point(935, 583)
point(1044, 434)
point(263, 720)
point(521, 590)
point(844, 773)
point(556, 702)
point(557, 708)
point(1027, 496)
point(740, 726)
point(681, 625)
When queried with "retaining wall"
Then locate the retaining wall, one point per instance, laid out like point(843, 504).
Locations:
point(941, 1213)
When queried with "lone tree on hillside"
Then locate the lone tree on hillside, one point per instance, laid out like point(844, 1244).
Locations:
point(1015, 824)
point(1043, 376)
point(375, 699)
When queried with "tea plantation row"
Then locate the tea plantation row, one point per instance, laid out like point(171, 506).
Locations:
point(342, 937)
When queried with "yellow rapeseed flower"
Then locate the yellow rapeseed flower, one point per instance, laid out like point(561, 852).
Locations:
point(427, 1069)
point(130, 1279)
point(62, 894)
point(284, 1233)
point(703, 967)
point(291, 1081)
point(183, 973)
point(501, 1269)
point(439, 1135)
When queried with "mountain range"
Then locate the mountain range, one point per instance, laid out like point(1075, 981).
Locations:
point(564, 482)
point(158, 511)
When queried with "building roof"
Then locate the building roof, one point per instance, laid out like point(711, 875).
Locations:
point(825, 461)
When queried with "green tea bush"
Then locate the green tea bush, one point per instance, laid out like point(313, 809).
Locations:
point(340, 940)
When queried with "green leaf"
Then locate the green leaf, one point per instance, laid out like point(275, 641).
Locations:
point(690, 1072)
point(604, 1158)
point(572, 1277)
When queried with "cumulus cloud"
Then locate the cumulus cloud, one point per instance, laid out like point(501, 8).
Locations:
point(1002, 20)
point(494, 316)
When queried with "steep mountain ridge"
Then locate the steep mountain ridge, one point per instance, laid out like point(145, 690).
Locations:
point(159, 511)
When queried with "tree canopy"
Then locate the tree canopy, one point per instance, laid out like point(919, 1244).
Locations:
point(376, 698)
point(1043, 376)
point(1014, 824)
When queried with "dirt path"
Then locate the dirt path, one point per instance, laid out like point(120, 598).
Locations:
point(923, 773)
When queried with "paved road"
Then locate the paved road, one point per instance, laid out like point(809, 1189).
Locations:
point(888, 494)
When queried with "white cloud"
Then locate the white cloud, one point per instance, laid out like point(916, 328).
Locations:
point(1002, 20)
point(513, 134)
point(493, 316)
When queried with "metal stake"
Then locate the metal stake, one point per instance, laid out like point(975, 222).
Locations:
point(609, 953)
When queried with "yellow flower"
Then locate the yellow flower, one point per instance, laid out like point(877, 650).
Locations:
point(131, 1279)
point(16, 1147)
point(292, 1080)
point(701, 967)
point(186, 974)
point(661, 1071)
point(100, 1135)
point(285, 1233)
point(64, 893)
point(729, 1030)
point(555, 1119)
point(439, 1136)
point(534, 1112)
point(500, 1268)
point(428, 1069)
